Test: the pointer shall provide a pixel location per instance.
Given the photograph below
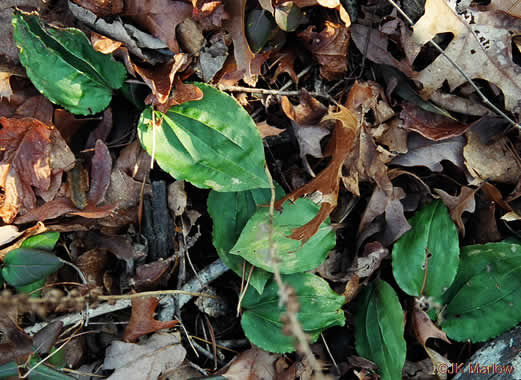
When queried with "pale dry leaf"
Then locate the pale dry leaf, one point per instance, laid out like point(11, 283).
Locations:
point(103, 44)
point(482, 47)
point(253, 364)
point(309, 137)
point(370, 259)
point(424, 152)
point(424, 328)
point(490, 162)
point(160, 353)
point(437, 361)
point(457, 205)
point(267, 130)
point(177, 198)
point(8, 234)
point(5, 86)
point(512, 7)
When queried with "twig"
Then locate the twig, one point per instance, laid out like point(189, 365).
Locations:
point(459, 69)
point(265, 91)
point(287, 299)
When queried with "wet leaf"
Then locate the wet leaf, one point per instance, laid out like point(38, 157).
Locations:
point(379, 329)
point(62, 64)
point(142, 319)
point(261, 319)
point(425, 258)
point(198, 143)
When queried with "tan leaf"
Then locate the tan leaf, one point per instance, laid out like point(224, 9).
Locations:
point(309, 137)
point(253, 364)
point(308, 112)
point(103, 44)
point(424, 328)
point(102, 7)
point(481, 47)
point(267, 130)
point(142, 319)
point(329, 47)
point(5, 86)
point(459, 204)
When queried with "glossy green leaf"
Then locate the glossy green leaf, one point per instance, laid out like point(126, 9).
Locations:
point(254, 244)
point(319, 309)
point(23, 266)
point(45, 241)
point(260, 27)
point(484, 301)
point(379, 327)
point(425, 258)
point(64, 67)
point(212, 143)
point(230, 213)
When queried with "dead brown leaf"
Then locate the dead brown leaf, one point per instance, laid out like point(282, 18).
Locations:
point(308, 138)
point(142, 319)
point(93, 265)
point(308, 112)
point(430, 125)
point(26, 163)
point(482, 48)
point(285, 65)
point(459, 204)
point(253, 364)
point(424, 328)
point(104, 44)
point(102, 7)
point(5, 85)
point(267, 130)
point(331, 4)
point(18, 346)
point(329, 47)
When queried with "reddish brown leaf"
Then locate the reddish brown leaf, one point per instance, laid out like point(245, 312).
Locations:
point(286, 65)
point(160, 18)
point(308, 112)
point(329, 47)
point(430, 125)
point(25, 163)
point(327, 181)
point(67, 123)
point(424, 328)
point(267, 130)
point(182, 93)
point(142, 320)
point(103, 44)
point(100, 170)
point(102, 131)
point(209, 14)
point(459, 204)
point(93, 265)
point(102, 7)
point(37, 107)
point(49, 210)
point(149, 275)
point(241, 49)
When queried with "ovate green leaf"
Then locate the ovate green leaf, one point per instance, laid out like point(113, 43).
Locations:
point(23, 266)
point(212, 143)
point(379, 328)
point(425, 259)
point(45, 241)
point(319, 309)
point(64, 67)
point(230, 212)
point(254, 243)
point(484, 301)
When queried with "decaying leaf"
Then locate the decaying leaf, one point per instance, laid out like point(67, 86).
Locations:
point(482, 47)
point(329, 47)
point(308, 112)
point(327, 182)
point(424, 328)
point(424, 152)
point(285, 65)
point(457, 205)
point(253, 364)
point(18, 345)
point(267, 130)
point(370, 259)
point(142, 319)
point(28, 163)
point(309, 137)
point(177, 198)
point(5, 86)
point(159, 354)
point(430, 125)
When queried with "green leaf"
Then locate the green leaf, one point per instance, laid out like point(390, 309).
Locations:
point(230, 213)
point(254, 244)
point(260, 27)
point(212, 143)
point(45, 241)
point(288, 16)
point(64, 67)
point(261, 319)
point(23, 266)
point(379, 328)
point(42, 372)
point(484, 301)
point(30, 288)
point(8, 369)
point(426, 257)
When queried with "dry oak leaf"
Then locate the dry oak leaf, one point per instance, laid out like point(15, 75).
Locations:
point(30, 157)
point(482, 47)
point(267, 130)
point(459, 204)
point(285, 65)
point(142, 319)
point(253, 364)
point(327, 182)
point(308, 112)
point(329, 47)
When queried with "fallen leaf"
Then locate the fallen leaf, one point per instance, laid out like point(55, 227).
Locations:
point(481, 47)
point(149, 275)
point(28, 162)
point(102, 7)
point(369, 96)
point(160, 354)
point(424, 152)
point(424, 328)
point(492, 161)
point(104, 44)
point(285, 65)
point(19, 345)
point(93, 264)
point(210, 14)
point(370, 260)
point(457, 205)
point(329, 47)
point(253, 364)
point(212, 57)
point(177, 198)
point(512, 7)
point(309, 137)
point(101, 167)
point(244, 57)
point(308, 112)
point(119, 245)
point(190, 36)
point(430, 125)
point(331, 4)
point(8, 234)
point(327, 182)
point(267, 130)
point(142, 319)
point(5, 86)
point(183, 92)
